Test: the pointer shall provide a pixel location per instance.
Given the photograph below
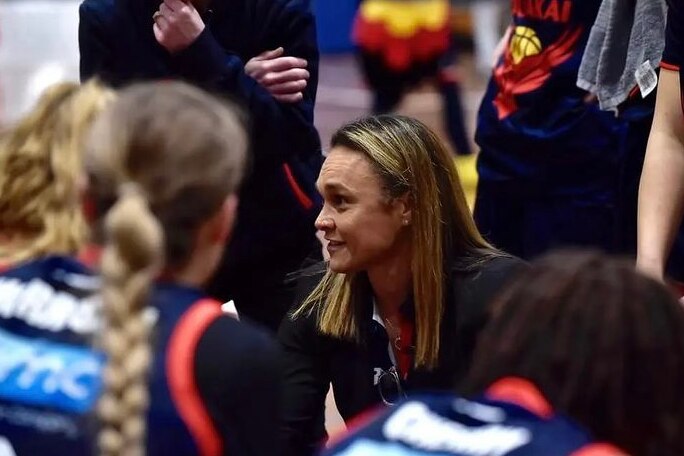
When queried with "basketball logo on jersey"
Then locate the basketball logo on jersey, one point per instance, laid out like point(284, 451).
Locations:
point(524, 43)
point(527, 65)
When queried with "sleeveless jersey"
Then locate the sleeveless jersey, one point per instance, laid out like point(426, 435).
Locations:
point(50, 374)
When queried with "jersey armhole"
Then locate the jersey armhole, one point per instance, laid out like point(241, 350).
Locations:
point(180, 371)
point(669, 66)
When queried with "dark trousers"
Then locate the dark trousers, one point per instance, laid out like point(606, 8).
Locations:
point(389, 87)
point(386, 99)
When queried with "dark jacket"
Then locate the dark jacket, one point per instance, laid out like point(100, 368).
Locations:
point(278, 202)
point(312, 361)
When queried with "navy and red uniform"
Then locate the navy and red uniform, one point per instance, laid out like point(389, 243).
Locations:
point(554, 169)
point(402, 43)
point(512, 419)
point(213, 382)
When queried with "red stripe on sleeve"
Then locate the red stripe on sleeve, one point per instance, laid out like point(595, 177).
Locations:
point(302, 197)
point(180, 363)
point(669, 66)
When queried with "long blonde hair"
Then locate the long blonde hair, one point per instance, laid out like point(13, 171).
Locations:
point(409, 159)
point(162, 160)
point(40, 172)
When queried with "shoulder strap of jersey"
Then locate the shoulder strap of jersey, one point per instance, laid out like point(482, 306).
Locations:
point(180, 363)
point(522, 393)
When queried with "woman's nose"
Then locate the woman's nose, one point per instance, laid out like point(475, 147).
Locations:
point(324, 222)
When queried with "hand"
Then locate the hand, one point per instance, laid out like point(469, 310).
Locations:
point(177, 24)
point(590, 98)
point(284, 77)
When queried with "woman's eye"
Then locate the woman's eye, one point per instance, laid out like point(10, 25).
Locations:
point(339, 200)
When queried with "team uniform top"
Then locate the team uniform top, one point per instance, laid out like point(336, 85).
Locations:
point(534, 122)
point(518, 423)
point(673, 56)
point(205, 375)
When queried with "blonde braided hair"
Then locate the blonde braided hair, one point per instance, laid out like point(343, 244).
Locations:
point(41, 170)
point(162, 160)
point(129, 263)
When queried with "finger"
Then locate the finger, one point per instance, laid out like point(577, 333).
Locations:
point(158, 34)
point(296, 98)
point(288, 88)
point(162, 23)
point(281, 77)
point(175, 5)
point(284, 63)
point(165, 11)
point(278, 65)
point(272, 54)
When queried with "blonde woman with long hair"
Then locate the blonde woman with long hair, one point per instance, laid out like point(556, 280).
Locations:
point(154, 367)
point(399, 305)
point(41, 174)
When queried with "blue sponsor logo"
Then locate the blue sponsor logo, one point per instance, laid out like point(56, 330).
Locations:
point(43, 373)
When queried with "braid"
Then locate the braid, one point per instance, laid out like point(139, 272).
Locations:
point(162, 160)
point(130, 261)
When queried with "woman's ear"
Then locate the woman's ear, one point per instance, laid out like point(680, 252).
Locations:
point(404, 208)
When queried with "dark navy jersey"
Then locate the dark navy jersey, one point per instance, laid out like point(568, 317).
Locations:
point(534, 121)
point(673, 55)
point(204, 369)
point(49, 375)
point(445, 424)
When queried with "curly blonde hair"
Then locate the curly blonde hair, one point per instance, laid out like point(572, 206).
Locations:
point(161, 161)
point(42, 175)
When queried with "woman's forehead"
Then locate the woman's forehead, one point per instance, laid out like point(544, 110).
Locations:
point(347, 167)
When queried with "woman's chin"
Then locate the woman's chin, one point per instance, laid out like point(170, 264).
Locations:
point(340, 266)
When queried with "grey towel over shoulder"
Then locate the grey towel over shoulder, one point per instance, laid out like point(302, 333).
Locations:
point(625, 35)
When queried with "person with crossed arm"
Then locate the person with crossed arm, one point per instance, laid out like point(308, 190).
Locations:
point(263, 54)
